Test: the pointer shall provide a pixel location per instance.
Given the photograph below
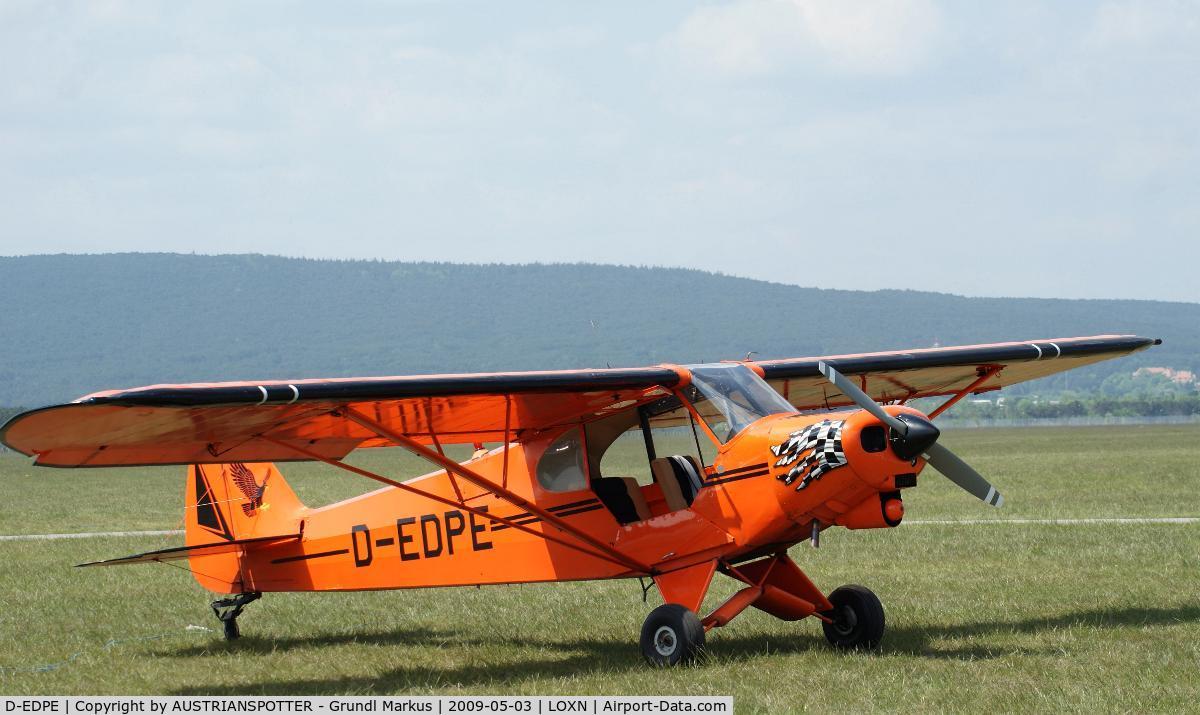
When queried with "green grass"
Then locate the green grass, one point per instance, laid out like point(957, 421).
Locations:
point(992, 617)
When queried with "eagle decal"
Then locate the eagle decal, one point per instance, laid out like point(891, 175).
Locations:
point(814, 450)
point(243, 478)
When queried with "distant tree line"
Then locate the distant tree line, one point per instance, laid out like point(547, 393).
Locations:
point(1120, 395)
point(1032, 408)
point(73, 325)
point(6, 414)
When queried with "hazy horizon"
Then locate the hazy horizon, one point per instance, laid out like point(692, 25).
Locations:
point(574, 263)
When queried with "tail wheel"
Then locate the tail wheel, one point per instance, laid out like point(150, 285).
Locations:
point(857, 616)
point(672, 635)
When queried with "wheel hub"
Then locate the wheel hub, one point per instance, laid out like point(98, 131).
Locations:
point(845, 621)
point(665, 641)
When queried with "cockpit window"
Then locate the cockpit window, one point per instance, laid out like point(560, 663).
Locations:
point(561, 467)
point(730, 397)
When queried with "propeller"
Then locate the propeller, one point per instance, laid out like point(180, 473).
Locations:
point(912, 435)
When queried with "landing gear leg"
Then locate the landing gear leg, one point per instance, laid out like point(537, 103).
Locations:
point(228, 609)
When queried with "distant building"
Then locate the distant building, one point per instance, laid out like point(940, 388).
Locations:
point(1181, 377)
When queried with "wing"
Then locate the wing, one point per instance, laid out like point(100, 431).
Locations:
point(222, 422)
point(908, 374)
point(226, 422)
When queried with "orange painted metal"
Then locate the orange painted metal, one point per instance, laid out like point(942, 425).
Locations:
point(490, 519)
point(781, 572)
point(458, 504)
point(687, 586)
point(503, 493)
point(735, 604)
point(418, 533)
point(870, 513)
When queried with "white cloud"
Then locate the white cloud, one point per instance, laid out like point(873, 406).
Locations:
point(873, 37)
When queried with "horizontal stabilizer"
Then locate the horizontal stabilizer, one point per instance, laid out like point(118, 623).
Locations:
point(183, 552)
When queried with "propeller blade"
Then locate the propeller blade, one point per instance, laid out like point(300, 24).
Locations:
point(862, 399)
point(936, 455)
point(962, 474)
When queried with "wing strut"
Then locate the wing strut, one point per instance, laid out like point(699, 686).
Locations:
point(502, 492)
point(482, 513)
point(985, 374)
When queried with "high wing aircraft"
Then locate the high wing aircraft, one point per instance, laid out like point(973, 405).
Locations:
point(742, 461)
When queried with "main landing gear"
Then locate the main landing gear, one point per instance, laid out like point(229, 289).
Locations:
point(673, 634)
point(228, 609)
point(856, 621)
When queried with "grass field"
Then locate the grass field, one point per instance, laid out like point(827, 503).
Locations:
point(1036, 617)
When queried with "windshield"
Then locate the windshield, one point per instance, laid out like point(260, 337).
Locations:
point(729, 397)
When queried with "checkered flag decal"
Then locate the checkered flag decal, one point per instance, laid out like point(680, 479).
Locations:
point(814, 450)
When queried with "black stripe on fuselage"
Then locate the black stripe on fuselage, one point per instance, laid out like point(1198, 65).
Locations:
point(582, 510)
point(572, 505)
point(739, 477)
point(739, 470)
point(569, 509)
point(306, 557)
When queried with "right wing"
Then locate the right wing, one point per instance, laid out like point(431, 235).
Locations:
point(930, 372)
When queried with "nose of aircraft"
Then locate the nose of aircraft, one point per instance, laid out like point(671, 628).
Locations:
point(920, 436)
point(923, 443)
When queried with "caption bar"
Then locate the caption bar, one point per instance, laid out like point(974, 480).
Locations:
point(153, 705)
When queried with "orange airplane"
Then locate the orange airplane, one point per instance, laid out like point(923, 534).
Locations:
point(742, 461)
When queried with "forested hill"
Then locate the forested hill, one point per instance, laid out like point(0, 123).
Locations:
point(75, 324)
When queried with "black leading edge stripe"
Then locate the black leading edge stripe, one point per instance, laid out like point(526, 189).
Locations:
point(398, 387)
point(951, 356)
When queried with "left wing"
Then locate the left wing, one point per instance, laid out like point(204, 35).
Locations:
point(222, 422)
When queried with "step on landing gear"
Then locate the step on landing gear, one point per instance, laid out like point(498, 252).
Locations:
point(228, 609)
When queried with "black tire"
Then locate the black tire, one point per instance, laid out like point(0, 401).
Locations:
point(672, 635)
point(232, 632)
point(857, 619)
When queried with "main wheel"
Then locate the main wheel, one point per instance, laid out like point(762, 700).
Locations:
point(857, 619)
point(671, 635)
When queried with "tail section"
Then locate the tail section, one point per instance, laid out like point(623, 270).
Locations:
point(234, 503)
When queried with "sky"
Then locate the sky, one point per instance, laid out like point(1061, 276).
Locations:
point(1045, 149)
